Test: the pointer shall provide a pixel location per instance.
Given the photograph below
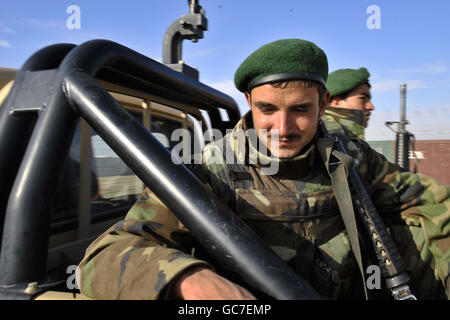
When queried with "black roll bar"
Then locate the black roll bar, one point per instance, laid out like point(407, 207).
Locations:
point(16, 127)
point(214, 225)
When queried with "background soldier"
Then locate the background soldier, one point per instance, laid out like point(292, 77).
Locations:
point(350, 106)
point(151, 255)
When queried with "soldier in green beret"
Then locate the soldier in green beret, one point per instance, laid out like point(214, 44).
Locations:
point(151, 255)
point(350, 104)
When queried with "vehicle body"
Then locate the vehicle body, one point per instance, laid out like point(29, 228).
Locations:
point(96, 186)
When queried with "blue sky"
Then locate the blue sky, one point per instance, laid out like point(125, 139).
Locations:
point(412, 45)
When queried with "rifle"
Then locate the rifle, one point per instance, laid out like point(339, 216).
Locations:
point(403, 138)
point(389, 259)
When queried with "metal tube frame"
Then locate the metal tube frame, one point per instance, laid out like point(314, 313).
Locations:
point(214, 225)
point(16, 127)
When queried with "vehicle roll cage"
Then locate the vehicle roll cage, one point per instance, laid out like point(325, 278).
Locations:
point(58, 85)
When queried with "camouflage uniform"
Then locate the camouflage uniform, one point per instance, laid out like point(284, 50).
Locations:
point(295, 212)
point(344, 122)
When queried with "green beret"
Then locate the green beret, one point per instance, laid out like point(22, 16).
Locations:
point(344, 80)
point(282, 60)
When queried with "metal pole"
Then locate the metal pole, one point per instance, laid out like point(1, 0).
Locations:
point(25, 245)
point(85, 181)
point(16, 127)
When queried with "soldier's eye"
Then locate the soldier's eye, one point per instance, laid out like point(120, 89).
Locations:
point(267, 111)
point(364, 98)
point(301, 108)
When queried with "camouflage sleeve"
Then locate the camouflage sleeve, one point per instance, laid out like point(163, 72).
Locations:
point(139, 257)
point(416, 209)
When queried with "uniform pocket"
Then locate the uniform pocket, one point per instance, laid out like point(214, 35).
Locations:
point(337, 265)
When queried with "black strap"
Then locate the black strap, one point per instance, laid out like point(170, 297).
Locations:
point(237, 172)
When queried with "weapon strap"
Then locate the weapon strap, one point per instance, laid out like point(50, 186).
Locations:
point(338, 166)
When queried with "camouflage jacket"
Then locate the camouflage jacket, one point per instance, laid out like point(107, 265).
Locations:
point(294, 211)
point(342, 121)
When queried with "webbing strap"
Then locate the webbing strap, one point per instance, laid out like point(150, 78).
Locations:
point(237, 173)
point(338, 172)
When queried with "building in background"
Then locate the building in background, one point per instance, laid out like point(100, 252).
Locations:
point(433, 157)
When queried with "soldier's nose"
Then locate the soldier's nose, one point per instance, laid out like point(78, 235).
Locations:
point(285, 125)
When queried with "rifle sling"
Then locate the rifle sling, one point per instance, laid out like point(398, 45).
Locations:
point(338, 171)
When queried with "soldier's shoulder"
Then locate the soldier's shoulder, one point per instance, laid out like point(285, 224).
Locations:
point(220, 147)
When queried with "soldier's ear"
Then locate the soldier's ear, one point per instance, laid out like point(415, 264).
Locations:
point(248, 97)
point(335, 101)
point(324, 102)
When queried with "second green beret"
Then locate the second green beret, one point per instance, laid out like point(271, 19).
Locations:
point(282, 60)
point(344, 80)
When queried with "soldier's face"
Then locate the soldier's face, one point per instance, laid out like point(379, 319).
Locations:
point(289, 116)
point(357, 99)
